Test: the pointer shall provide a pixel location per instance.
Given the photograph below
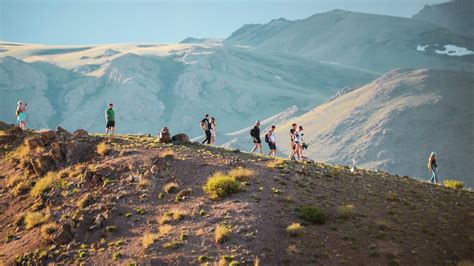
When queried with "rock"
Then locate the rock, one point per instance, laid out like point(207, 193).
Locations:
point(35, 143)
point(63, 235)
point(56, 152)
point(16, 131)
point(165, 136)
point(80, 133)
point(181, 137)
point(47, 136)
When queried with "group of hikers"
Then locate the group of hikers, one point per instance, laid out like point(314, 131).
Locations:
point(208, 125)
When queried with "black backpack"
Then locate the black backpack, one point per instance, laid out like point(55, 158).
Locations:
point(267, 140)
point(252, 132)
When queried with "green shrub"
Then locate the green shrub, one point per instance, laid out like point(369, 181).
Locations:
point(451, 183)
point(220, 185)
point(311, 214)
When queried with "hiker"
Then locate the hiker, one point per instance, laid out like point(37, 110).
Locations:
point(20, 114)
point(433, 167)
point(213, 131)
point(270, 139)
point(255, 134)
point(206, 127)
point(110, 119)
point(292, 142)
point(298, 139)
point(165, 135)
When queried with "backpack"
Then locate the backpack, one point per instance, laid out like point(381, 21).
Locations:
point(252, 132)
point(267, 140)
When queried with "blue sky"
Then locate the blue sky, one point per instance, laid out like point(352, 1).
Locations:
point(121, 21)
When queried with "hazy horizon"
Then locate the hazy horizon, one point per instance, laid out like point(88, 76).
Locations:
point(102, 22)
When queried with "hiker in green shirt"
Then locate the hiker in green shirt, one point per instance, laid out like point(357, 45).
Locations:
point(110, 119)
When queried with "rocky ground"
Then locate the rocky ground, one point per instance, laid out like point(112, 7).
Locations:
point(77, 198)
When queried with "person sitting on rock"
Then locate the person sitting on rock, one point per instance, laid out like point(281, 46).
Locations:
point(110, 119)
point(20, 114)
point(165, 136)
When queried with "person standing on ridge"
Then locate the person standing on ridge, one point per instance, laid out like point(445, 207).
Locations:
point(433, 167)
point(270, 139)
point(110, 119)
point(20, 114)
point(255, 134)
point(206, 127)
point(299, 142)
point(213, 131)
point(292, 141)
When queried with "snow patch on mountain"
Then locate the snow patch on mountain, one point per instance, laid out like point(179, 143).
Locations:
point(453, 50)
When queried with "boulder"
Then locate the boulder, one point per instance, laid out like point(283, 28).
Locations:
point(63, 235)
point(47, 136)
point(34, 143)
point(165, 136)
point(180, 138)
point(80, 133)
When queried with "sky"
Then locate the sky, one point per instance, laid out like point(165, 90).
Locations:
point(164, 21)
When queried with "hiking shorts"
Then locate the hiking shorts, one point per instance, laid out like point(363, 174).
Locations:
point(21, 117)
point(110, 124)
point(257, 140)
point(272, 146)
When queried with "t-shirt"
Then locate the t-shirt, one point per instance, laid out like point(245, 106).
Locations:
point(110, 114)
point(272, 137)
point(256, 132)
point(205, 124)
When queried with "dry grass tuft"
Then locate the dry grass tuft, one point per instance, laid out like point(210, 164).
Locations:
point(345, 211)
point(13, 180)
point(44, 184)
point(294, 229)
point(241, 173)
point(451, 183)
point(149, 238)
point(165, 229)
point(168, 154)
point(102, 149)
point(277, 163)
point(222, 233)
point(174, 215)
point(220, 185)
point(33, 219)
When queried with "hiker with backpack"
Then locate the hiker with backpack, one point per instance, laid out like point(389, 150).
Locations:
point(206, 128)
point(110, 119)
point(292, 142)
point(213, 131)
point(255, 134)
point(270, 139)
point(298, 139)
point(433, 167)
point(20, 114)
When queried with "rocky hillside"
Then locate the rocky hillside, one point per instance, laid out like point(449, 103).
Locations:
point(374, 42)
point(393, 124)
point(455, 15)
point(156, 85)
point(72, 198)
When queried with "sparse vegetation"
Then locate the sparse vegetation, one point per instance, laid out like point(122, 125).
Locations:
point(451, 183)
point(149, 238)
point(85, 201)
point(172, 244)
point(222, 233)
point(345, 211)
point(116, 255)
point(294, 229)
point(172, 216)
point(241, 173)
point(48, 229)
point(392, 196)
point(44, 184)
point(277, 163)
point(170, 187)
point(311, 214)
point(33, 219)
point(168, 154)
point(102, 149)
point(165, 229)
point(220, 185)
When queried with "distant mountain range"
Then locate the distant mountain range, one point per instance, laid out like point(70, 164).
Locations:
point(393, 124)
point(455, 15)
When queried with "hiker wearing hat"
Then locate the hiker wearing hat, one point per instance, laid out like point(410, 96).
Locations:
point(433, 167)
point(255, 134)
point(20, 114)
